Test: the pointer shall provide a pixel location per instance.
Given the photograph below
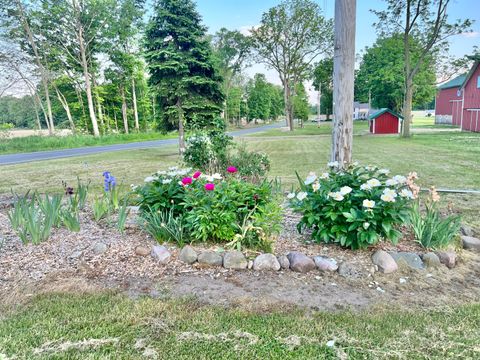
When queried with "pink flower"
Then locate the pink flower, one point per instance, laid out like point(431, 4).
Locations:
point(232, 169)
point(209, 186)
point(187, 180)
point(197, 174)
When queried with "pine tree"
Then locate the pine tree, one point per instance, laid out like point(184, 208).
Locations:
point(181, 66)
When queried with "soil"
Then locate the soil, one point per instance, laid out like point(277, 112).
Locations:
point(67, 263)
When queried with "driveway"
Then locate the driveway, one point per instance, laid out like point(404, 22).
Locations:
point(18, 158)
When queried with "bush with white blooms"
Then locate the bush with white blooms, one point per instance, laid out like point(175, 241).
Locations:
point(355, 207)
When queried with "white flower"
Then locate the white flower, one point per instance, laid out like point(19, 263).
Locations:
point(166, 181)
point(400, 179)
point(336, 196)
point(310, 178)
point(344, 190)
point(373, 182)
point(406, 194)
point(365, 187)
point(161, 172)
point(149, 179)
point(387, 198)
point(291, 195)
point(370, 167)
point(384, 171)
point(182, 172)
point(133, 187)
point(316, 186)
point(209, 178)
point(324, 175)
point(172, 173)
point(180, 183)
point(366, 225)
point(368, 203)
point(390, 192)
point(217, 176)
point(333, 164)
point(301, 195)
point(391, 182)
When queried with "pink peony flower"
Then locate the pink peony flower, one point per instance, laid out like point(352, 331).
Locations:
point(209, 186)
point(197, 174)
point(187, 180)
point(232, 169)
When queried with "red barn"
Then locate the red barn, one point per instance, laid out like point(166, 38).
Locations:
point(385, 121)
point(448, 102)
point(458, 101)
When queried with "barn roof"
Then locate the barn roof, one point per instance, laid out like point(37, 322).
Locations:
point(476, 58)
point(383, 111)
point(455, 82)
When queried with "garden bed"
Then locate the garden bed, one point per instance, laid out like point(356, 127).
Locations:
point(99, 258)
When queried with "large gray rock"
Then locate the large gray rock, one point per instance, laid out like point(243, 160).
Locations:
point(188, 255)
point(348, 270)
point(235, 260)
point(466, 230)
point(384, 261)
point(448, 258)
point(284, 262)
point(408, 259)
point(325, 264)
point(210, 258)
point(431, 260)
point(266, 262)
point(300, 262)
point(471, 243)
point(99, 248)
point(161, 254)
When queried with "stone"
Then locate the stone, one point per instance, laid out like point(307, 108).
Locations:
point(284, 262)
point(161, 254)
point(210, 258)
point(471, 243)
point(325, 264)
point(250, 264)
point(466, 230)
point(75, 255)
point(300, 262)
point(431, 260)
point(447, 258)
point(408, 259)
point(384, 261)
point(234, 260)
point(142, 250)
point(266, 262)
point(188, 255)
point(99, 248)
point(348, 270)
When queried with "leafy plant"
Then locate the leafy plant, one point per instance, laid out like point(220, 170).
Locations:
point(253, 166)
point(100, 208)
point(355, 207)
point(123, 212)
point(78, 196)
point(431, 230)
point(50, 207)
point(164, 226)
point(70, 219)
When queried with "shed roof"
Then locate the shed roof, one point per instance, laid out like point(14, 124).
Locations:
point(383, 111)
point(472, 70)
point(455, 82)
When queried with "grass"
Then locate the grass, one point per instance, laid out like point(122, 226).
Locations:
point(186, 330)
point(41, 143)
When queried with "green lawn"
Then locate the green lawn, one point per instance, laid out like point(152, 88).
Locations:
point(115, 327)
point(41, 143)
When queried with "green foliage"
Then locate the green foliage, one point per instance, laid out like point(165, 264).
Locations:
point(323, 80)
point(70, 219)
point(123, 212)
point(251, 165)
point(431, 230)
point(382, 73)
point(300, 103)
point(164, 226)
point(100, 208)
point(355, 207)
point(50, 207)
point(180, 63)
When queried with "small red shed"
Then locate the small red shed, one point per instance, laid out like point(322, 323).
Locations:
point(385, 121)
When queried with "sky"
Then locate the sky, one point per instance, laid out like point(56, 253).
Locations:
point(244, 14)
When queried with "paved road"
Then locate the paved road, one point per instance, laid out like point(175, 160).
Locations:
point(91, 150)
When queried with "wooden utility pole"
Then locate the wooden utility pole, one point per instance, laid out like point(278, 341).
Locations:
point(343, 77)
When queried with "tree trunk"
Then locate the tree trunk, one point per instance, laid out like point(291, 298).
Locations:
point(343, 77)
point(124, 110)
point(287, 100)
point(37, 117)
point(135, 110)
point(43, 73)
point(99, 105)
point(115, 119)
point(66, 107)
point(407, 100)
point(181, 130)
point(86, 74)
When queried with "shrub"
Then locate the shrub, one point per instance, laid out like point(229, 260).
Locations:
point(355, 207)
point(209, 207)
point(431, 230)
point(252, 165)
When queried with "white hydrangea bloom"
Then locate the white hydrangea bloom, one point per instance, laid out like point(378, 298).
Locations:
point(149, 179)
point(166, 181)
point(217, 176)
point(368, 203)
point(301, 195)
point(310, 179)
point(344, 190)
point(291, 195)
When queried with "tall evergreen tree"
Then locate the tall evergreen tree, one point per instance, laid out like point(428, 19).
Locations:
point(181, 66)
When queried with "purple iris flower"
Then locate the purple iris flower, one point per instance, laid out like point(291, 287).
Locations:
point(109, 181)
